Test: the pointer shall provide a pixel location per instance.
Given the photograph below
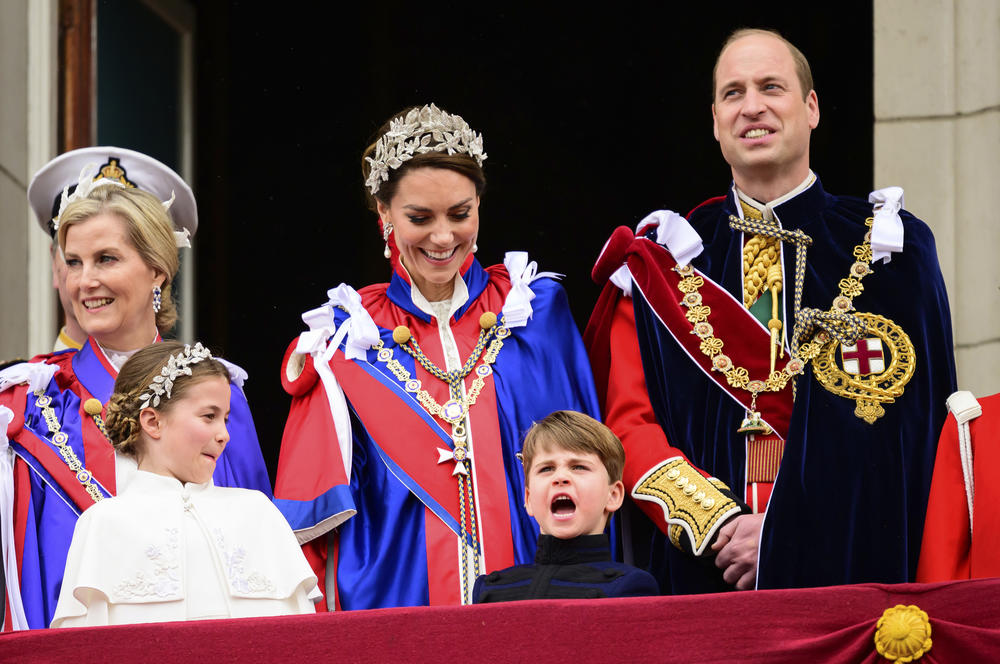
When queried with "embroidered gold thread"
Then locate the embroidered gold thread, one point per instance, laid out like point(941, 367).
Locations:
point(684, 494)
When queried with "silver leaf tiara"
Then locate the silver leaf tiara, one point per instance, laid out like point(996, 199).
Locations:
point(427, 129)
point(177, 365)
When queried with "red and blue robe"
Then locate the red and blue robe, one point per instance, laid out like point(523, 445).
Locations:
point(849, 498)
point(397, 507)
point(48, 496)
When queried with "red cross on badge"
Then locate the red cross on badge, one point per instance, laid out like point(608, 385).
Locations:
point(865, 357)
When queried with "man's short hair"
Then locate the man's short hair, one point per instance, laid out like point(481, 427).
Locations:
point(801, 64)
point(570, 430)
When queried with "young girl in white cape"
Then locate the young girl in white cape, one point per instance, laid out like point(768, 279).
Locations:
point(173, 546)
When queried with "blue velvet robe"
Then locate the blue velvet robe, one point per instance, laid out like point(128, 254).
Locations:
point(849, 500)
point(400, 493)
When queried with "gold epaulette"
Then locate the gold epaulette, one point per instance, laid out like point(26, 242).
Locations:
point(692, 505)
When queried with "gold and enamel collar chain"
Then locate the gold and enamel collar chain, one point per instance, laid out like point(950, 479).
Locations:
point(60, 439)
point(456, 409)
point(455, 412)
point(838, 322)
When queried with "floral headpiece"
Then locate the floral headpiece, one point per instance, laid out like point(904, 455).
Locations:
point(413, 134)
point(177, 365)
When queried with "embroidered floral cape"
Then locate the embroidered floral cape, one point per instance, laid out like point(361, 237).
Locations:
point(131, 557)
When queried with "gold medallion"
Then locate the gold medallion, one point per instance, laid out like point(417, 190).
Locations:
point(873, 372)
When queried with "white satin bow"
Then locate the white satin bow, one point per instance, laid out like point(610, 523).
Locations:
point(517, 307)
point(887, 228)
point(237, 374)
point(676, 234)
point(182, 238)
point(36, 374)
point(361, 334)
point(359, 328)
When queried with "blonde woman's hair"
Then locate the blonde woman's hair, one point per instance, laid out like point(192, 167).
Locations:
point(122, 421)
point(149, 229)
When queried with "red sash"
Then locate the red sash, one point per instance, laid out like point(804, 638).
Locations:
point(652, 270)
point(407, 439)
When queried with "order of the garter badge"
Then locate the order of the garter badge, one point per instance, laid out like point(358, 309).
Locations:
point(873, 371)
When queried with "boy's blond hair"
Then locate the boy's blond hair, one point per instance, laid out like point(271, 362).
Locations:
point(576, 432)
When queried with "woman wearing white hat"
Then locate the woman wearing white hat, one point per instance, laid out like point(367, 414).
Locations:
point(398, 465)
point(120, 247)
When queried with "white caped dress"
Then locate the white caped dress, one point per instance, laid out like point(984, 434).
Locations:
point(164, 551)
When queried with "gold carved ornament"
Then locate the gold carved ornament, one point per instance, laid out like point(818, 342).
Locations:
point(868, 390)
point(903, 634)
point(841, 324)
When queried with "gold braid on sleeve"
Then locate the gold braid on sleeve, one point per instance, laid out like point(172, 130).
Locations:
point(693, 506)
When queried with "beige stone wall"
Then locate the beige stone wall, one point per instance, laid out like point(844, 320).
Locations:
point(937, 134)
point(27, 140)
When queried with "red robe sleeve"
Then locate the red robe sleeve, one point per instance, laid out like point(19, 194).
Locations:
point(950, 548)
point(684, 501)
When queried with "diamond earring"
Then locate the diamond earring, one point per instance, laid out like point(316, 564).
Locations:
point(386, 232)
point(157, 299)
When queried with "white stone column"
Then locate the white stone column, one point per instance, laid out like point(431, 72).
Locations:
point(28, 88)
point(937, 134)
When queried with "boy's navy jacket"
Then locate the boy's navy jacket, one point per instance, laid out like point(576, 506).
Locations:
point(580, 567)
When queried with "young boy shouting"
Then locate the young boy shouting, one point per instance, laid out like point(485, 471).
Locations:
point(573, 483)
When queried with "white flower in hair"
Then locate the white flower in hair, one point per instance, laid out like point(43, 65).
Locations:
point(423, 130)
point(176, 366)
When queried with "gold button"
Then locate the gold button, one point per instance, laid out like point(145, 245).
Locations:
point(681, 482)
point(487, 320)
point(690, 488)
point(708, 503)
point(401, 335)
point(93, 406)
point(698, 497)
point(673, 474)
